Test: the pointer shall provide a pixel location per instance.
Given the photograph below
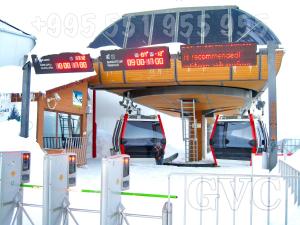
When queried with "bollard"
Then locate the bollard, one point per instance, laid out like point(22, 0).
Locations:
point(167, 214)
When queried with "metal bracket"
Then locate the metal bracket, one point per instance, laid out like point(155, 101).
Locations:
point(20, 210)
point(67, 211)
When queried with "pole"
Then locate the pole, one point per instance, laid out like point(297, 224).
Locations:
point(272, 153)
point(25, 98)
point(94, 151)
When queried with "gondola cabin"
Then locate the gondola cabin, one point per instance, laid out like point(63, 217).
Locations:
point(140, 136)
point(237, 139)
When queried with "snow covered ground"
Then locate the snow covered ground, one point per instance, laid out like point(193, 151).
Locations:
point(146, 177)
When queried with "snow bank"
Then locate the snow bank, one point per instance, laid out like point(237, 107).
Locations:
point(11, 141)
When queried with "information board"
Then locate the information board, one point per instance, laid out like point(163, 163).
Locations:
point(136, 59)
point(210, 55)
point(62, 63)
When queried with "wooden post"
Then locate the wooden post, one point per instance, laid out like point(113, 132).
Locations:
point(199, 133)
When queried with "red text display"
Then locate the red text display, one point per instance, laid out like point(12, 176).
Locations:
point(63, 63)
point(136, 59)
point(210, 55)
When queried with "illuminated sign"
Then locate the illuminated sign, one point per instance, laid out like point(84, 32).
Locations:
point(136, 59)
point(63, 63)
point(209, 55)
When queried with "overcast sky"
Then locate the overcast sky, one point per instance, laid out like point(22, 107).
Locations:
point(71, 25)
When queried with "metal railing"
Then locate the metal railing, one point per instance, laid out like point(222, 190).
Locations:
point(165, 217)
point(54, 142)
point(77, 145)
point(230, 198)
point(287, 170)
point(288, 146)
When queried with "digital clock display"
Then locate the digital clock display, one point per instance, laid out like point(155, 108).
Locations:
point(136, 59)
point(209, 55)
point(63, 63)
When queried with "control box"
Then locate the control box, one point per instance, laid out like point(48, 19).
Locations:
point(25, 174)
point(125, 177)
point(14, 170)
point(114, 179)
point(59, 175)
point(72, 170)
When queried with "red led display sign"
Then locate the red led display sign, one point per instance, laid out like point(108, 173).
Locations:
point(136, 59)
point(63, 63)
point(209, 55)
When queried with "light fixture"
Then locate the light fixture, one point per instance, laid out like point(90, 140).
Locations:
point(52, 101)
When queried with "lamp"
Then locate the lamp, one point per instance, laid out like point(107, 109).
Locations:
point(52, 101)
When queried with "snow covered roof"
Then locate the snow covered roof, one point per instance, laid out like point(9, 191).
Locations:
point(11, 80)
point(14, 44)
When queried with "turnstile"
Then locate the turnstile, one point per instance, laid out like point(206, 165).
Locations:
point(59, 175)
point(14, 170)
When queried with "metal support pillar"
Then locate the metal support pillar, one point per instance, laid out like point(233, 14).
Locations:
point(25, 99)
point(272, 152)
point(204, 137)
point(94, 148)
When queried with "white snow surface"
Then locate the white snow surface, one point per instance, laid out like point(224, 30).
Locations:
point(11, 141)
point(146, 177)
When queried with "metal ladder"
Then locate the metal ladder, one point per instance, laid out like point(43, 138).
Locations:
point(189, 129)
point(66, 125)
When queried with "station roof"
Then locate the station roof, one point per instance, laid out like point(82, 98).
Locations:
point(15, 43)
point(229, 89)
point(196, 25)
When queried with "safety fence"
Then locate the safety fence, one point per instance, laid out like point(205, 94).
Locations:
point(287, 170)
point(88, 213)
point(216, 199)
point(77, 145)
point(288, 146)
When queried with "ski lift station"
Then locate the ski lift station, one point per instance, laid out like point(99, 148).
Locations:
point(225, 61)
point(208, 67)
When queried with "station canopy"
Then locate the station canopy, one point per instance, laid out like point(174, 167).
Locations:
point(215, 88)
point(14, 44)
point(197, 25)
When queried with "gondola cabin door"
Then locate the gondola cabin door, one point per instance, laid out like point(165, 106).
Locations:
point(140, 136)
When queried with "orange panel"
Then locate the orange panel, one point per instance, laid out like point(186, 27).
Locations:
point(264, 69)
point(202, 74)
point(111, 77)
point(151, 76)
point(191, 76)
point(245, 72)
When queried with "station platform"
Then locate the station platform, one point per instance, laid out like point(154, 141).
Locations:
point(202, 163)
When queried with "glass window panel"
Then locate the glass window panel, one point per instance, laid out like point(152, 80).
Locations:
point(143, 130)
point(216, 26)
point(164, 28)
point(116, 31)
point(218, 138)
point(190, 27)
point(139, 30)
point(238, 134)
point(49, 124)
